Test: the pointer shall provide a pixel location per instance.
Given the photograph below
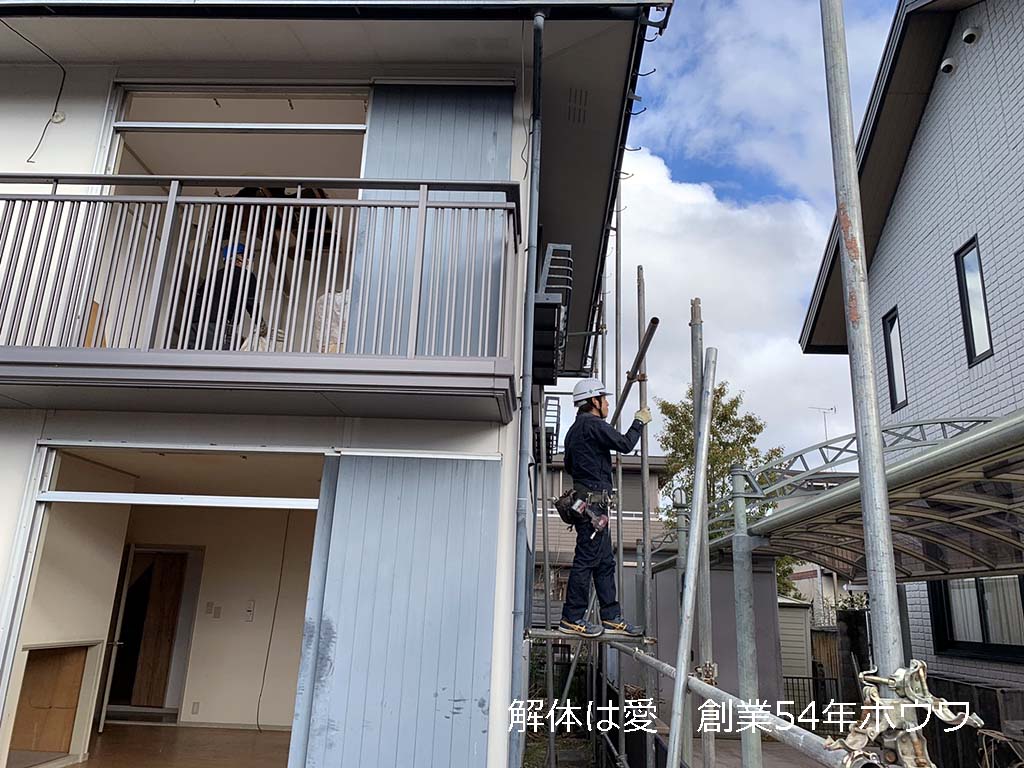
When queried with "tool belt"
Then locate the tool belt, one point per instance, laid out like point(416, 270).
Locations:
point(573, 505)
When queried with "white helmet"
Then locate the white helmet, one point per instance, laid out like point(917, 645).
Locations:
point(586, 389)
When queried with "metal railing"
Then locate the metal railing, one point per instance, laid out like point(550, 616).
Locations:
point(800, 693)
point(322, 266)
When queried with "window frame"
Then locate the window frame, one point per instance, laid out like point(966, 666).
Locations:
point(943, 639)
point(887, 323)
point(973, 358)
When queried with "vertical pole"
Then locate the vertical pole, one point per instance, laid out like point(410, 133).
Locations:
point(549, 674)
point(698, 517)
point(603, 654)
point(707, 739)
point(650, 677)
point(881, 568)
point(517, 740)
point(746, 641)
point(682, 521)
point(150, 321)
point(620, 659)
point(420, 248)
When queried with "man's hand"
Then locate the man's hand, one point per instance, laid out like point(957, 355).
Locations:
point(643, 416)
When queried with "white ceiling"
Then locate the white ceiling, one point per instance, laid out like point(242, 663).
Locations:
point(230, 474)
point(262, 41)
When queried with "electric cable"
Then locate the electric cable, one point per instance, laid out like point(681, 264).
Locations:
point(60, 88)
point(273, 618)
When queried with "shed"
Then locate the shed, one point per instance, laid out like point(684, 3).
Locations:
point(795, 636)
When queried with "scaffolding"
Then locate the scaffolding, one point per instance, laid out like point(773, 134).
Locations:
point(895, 683)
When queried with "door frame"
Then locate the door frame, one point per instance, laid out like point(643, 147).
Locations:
point(131, 550)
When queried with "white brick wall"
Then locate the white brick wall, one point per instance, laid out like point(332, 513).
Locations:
point(994, 672)
point(964, 178)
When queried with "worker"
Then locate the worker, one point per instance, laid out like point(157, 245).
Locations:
point(588, 446)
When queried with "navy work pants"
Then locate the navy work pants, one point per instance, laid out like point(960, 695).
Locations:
point(593, 560)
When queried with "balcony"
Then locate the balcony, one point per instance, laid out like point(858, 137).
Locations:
point(258, 295)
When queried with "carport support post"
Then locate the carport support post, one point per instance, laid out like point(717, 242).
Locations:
point(746, 640)
point(881, 567)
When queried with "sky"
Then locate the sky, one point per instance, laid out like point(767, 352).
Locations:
point(729, 198)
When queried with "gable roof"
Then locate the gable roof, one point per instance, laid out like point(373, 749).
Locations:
point(917, 40)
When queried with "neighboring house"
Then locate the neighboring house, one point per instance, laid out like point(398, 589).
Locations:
point(261, 336)
point(942, 178)
point(820, 588)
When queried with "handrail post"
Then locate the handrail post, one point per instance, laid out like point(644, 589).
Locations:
point(160, 268)
point(417, 270)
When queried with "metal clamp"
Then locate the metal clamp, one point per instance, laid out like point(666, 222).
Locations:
point(886, 733)
point(707, 672)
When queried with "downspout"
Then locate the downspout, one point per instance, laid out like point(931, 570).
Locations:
point(517, 740)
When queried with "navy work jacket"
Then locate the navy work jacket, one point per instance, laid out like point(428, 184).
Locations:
point(588, 446)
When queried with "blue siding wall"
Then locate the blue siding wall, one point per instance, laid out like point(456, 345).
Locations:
point(444, 133)
point(439, 132)
point(403, 661)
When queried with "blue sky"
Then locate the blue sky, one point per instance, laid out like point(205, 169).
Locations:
point(731, 196)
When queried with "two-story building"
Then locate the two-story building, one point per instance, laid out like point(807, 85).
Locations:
point(263, 279)
point(941, 161)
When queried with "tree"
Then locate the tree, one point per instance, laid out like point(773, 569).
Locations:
point(734, 436)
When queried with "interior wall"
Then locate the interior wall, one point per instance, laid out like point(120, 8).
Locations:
point(27, 93)
point(241, 562)
point(71, 593)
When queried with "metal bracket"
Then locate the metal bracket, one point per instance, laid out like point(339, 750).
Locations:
point(886, 733)
point(707, 672)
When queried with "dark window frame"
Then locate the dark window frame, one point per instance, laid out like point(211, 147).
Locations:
point(887, 323)
point(945, 642)
point(973, 358)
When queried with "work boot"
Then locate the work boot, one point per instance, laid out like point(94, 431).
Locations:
point(581, 628)
point(620, 626)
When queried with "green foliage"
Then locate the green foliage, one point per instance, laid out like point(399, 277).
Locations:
point(783, 575)
point(734, 436)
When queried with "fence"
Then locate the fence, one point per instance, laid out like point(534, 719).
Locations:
point(319, 269)
point(800, 693)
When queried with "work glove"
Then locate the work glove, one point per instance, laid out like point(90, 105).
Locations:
point(643, 416)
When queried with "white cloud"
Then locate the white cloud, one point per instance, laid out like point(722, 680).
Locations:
point(741, 82)
point(751, 266)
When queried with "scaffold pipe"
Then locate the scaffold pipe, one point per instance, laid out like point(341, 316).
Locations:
point(634, 371)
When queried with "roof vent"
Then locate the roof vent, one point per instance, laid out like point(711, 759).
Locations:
point(577, 104)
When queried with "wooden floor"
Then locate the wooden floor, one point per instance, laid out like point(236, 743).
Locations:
point(142, 746)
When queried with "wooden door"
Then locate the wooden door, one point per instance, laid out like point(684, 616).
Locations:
point(48, 703)
point(161, 622)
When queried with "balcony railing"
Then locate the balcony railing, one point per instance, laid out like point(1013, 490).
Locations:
point(314, 266)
